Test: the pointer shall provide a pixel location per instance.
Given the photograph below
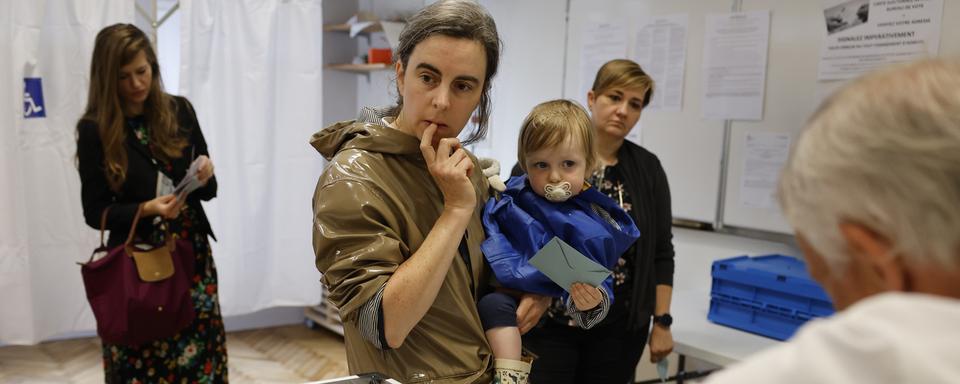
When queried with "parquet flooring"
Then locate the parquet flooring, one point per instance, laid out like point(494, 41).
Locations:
point(288, 354)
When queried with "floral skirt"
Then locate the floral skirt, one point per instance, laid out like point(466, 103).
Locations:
point(197, 354)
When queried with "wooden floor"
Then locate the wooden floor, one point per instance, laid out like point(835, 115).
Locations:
point(290, 354)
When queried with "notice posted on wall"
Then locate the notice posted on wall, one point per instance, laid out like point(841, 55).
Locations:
point(601, 41)
point(765, 154)
point(661, 50)
point(735, 65)
point(862, 35)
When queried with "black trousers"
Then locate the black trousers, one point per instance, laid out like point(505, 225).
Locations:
point(607, 353)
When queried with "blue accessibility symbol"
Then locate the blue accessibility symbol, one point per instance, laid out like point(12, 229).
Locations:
point(33, 98)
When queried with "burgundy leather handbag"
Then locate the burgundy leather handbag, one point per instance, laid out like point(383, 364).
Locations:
point(138, 293)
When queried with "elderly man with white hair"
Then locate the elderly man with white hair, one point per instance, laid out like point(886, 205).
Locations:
point(872, 189)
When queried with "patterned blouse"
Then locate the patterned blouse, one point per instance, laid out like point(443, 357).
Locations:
point(183, 226)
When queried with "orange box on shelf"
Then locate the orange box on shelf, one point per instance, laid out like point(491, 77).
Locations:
point(379, 55)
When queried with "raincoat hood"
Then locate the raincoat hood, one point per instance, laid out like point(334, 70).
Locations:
point(367, 136)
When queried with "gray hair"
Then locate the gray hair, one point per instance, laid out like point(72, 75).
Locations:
point(883, 152)
point(459, 19)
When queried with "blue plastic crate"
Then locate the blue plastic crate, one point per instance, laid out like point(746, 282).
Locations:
point(769, 295)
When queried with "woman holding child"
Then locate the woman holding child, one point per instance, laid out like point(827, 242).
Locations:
point(552, 206)
point(397, 227)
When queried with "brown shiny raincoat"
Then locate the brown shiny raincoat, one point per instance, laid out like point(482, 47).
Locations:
point(373, 206)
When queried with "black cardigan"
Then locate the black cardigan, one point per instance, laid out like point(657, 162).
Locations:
point(646, 183)
point(141, 182)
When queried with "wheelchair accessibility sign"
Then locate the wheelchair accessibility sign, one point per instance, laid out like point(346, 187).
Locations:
point(33, 98)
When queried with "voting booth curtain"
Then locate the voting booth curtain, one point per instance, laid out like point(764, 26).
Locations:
point(253, 71)
point(44, 70)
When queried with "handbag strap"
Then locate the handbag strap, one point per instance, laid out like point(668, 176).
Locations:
point(103, 228)
point(103, 224)
point(133, 226)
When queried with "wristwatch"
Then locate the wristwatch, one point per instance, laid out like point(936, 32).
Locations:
point(664, 320)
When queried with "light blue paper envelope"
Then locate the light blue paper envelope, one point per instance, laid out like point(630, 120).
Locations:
point(565, 265)
point(662, 367)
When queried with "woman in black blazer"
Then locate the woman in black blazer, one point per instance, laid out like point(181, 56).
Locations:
point(643, 277)
point(134, 143)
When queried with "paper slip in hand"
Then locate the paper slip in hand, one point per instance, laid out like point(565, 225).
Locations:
point(190, 182)
point(565, 265)
point(662, 367)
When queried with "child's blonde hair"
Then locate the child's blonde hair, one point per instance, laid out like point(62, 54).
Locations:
point(553, 122)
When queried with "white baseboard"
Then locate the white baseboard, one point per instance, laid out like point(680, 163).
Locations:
point(270, 317)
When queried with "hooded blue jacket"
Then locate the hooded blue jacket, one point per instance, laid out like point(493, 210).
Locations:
point(521, 222)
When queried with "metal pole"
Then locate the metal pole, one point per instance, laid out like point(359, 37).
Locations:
point(735, 6)
point(156, 23)
point(167, 15)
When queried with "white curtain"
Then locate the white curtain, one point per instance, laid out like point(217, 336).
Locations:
point(42, 231)
point(253, 71)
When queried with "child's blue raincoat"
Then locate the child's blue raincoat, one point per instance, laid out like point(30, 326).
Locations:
point(521, 222)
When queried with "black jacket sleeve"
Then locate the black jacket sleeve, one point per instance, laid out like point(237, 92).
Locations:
point(189, 117)
point(663, 248)
point(95, 192)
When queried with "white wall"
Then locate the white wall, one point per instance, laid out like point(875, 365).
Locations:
point(530, 72)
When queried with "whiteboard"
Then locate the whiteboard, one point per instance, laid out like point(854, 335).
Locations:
point(793, 93)
point(689, 147)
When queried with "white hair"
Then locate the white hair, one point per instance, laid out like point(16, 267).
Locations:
point(883, 152)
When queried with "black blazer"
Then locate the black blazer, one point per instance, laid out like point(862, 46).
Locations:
point(141, 182)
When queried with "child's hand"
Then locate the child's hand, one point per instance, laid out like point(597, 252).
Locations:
point(585, 297)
